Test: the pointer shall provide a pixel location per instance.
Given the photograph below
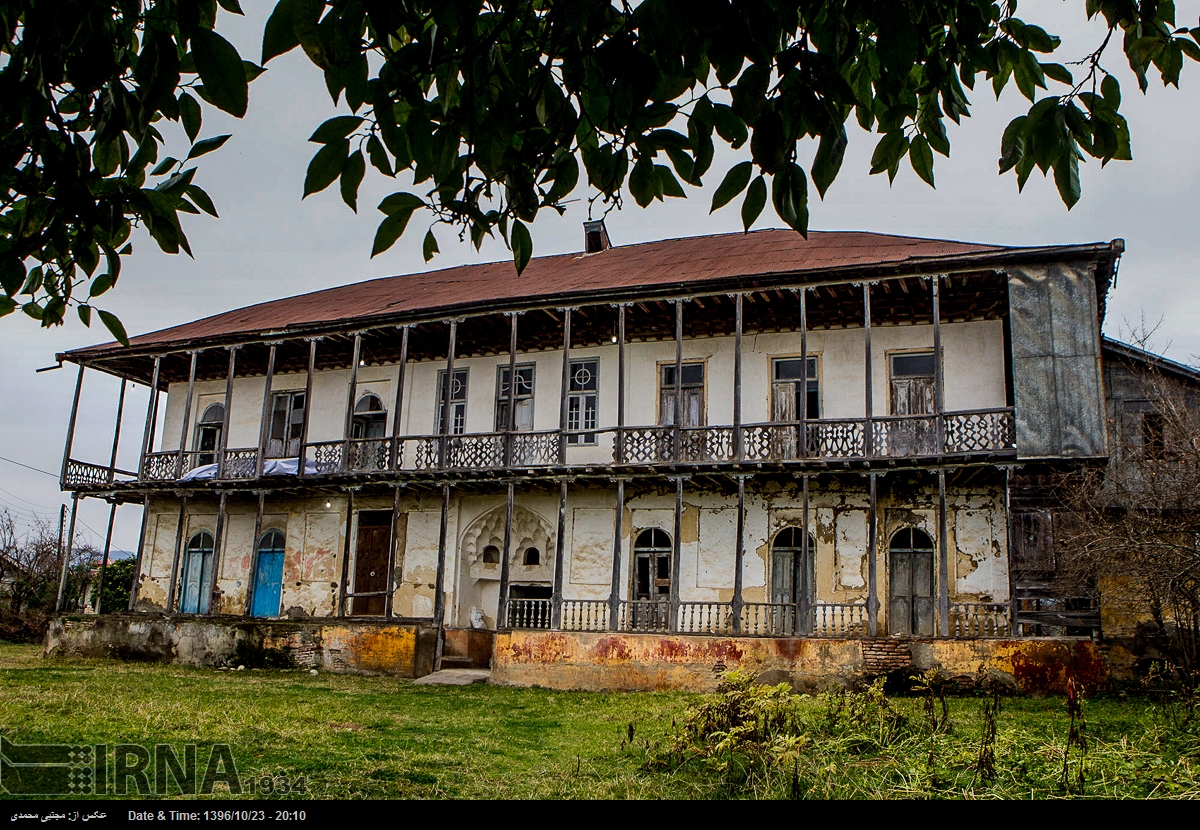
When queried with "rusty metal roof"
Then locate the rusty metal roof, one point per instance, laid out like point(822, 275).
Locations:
point(686, 262)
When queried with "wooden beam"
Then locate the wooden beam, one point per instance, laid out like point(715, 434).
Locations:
point(559, 558)
point(187, 415)
point(62, 476)
point(264, 428)
point(151, 420)
point(112, 459)
point(398, 406)
point(141, 550)
point(302, 459)
point(223, 443)
point(614, 591)
point(252, 577)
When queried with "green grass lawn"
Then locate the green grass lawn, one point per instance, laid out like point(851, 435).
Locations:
point(378, 737)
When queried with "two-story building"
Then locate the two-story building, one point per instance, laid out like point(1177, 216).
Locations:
point(632, 463)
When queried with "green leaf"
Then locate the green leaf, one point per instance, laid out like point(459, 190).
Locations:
point(1058, 72)
point(7, 306)
point(398, 202)
point(253, 70)
point(335, 129)
point(1110, 88)
point(325, 166)
point(379, 157)
point(33, 310)
point(101, 284)
point(163, 166)
point(106, 156)
point(85, 314)
point(231, 6)
point(221, 70)
point(668, 183)
point(522, 245)
point(735, 182)
point(756, 199)
point(1066, 177)
point(352, 176)
point(1189, 48)
point(789, 193)
point(390, 230)
point(566, 176)
point(206, 145)
point(828, 160)
point(890, 149)
point(644, 185)
point(12, 274)
point(279, 36)
point(921, 158)
point(730, 125)
point(429, 247)
point(189, 113)
point(201, 199)
point(114, 326)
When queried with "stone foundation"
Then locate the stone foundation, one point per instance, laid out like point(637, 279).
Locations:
point(633, 662)
point(394, 648)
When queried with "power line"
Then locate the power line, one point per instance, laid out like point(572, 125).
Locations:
point(27, 467)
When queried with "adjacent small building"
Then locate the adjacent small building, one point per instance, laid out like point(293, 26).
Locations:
point(623, 467)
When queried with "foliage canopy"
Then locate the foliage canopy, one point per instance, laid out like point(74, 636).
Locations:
point(498, 110)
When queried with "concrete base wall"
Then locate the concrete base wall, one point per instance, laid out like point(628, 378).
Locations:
point(634, 662)
point(401, 649)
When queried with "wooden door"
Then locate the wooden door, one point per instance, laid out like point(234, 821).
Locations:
point(911, 610)
point(371, 565)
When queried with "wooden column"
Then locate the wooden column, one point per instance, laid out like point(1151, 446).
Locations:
point(566, 385)
point(739, 554)
point(738, 450)
point(505, 557)
point(264, 428)
point(151, 420)
point(868, 403)
point(252, 577)
point(66, 554)
point(343, 585)
point(62, 476)
point(447, 415)
point(183, 500)
point(510, 422)
point(393, 550)
point(1008, 543)
point(677, 436)
point(112, 514)
point(439, 597)
point(939, 378)
point(112, 459)
point(676, 554)
point(218, 552)
point(872, 584)
point(802, 404)
point(559, 557)
point(943, 561)
point(225, 418)
point(614, 591)
point(302, 457)
point(187, 416)
point(394, 456)
point(620, 439)
point(348, 424)
point(141, 550)
point(803, 605)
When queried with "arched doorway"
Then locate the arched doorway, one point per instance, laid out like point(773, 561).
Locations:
point(793, 579)
point(208, 433)
point(651, 606)
point(530, 568)
point(910, 572)
point(268, 575)
point(197, 574)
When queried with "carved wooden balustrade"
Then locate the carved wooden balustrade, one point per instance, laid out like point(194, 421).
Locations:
point(980, 619)
point(529, 613)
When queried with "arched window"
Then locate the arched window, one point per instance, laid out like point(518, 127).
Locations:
point(268, 574)
point(910, 572)
point(491, 555)
point(533, 556)
point(208, 433)
point(370, 418)
point(793, 580)
point(197, 574)
point(652, 580)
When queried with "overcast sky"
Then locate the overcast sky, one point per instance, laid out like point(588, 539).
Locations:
point(268, 243)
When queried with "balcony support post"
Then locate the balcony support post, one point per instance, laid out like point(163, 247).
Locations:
point(447, 425)
point(343, 585)
point(505, 557)
point(559, 555)
point(264, 429)
point(614, 591)
point(677, 436)
point(872, 580)
point(939, 377)
point(187, 415)
point(803, 606)
point(510, 420)
point(151, 422)
point(676, 554)
point(943, 561)
point(868, 402)
point(141, 549)
point(66, 554)
point(351, 390)
point(112, 459)
point(802, 404)
point(439, 597)
point(252, 578)
point(564, 392)
point(223, 444)
point(302, 456)
point(738, 448)
point(393, 550)
point(620, 448)
point(62, 476)
point(218, 551)
point(183, 500)
point(739, 556)
point(398, 407)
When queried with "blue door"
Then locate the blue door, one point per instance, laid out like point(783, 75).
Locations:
point(268, 578)
point(197, 575)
